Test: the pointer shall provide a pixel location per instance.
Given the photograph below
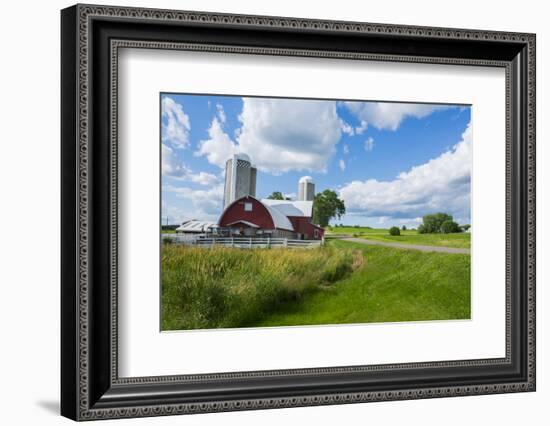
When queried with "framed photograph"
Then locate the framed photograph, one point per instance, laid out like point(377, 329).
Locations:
point(263, 212)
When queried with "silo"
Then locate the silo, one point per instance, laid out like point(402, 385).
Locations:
point(306, 189)
point(240, 178)
point(253, 173)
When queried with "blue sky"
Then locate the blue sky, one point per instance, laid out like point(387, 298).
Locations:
point(390, 162)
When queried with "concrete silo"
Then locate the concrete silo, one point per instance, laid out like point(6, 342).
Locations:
point(306, 189)
point(240, 178)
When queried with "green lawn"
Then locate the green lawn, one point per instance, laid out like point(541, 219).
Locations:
point(392, 285)
point(459, 240)
point(359, 229)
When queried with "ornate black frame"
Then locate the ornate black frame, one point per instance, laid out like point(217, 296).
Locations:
point(91, 37)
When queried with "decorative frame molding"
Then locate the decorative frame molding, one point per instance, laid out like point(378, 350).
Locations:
point(91, 37)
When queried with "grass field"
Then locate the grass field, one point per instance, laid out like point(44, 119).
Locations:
point(340, 283)
point(229, 287)
point(362, 230)
point(459, 240)
point(393, 285)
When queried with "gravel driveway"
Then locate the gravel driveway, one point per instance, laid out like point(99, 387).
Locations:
point(410, 246)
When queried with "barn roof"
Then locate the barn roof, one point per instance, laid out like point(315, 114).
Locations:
point(290, 208)
point(195, 226)
point(279, 219)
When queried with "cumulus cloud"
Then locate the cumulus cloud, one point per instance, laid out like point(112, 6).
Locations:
point(219, 147)
point(173, 167)
point(345, 149)
point(200, 203)
point(282, 135)
point(388, 115)
point(279, 135)
point(175, 123)
point(441, 184)
point(369, 144)
point(203, 178)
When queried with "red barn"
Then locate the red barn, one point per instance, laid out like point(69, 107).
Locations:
point(276, 218)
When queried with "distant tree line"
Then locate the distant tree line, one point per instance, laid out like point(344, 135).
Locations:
point(341, 225)
point(440, 223)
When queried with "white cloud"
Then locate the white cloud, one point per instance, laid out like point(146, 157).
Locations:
point(203, 178)
point(388, 115)
point(281, 135)
point(205, 204)
point(219, 147)
point(342, 164)
point(171, 164)
point(441, 184)
point(369, 144)
point(362, 127)
point(173, 167)
point(173, 214)
point(345, 149)
point(346, 128)
point(221, 113)
point(175, 123)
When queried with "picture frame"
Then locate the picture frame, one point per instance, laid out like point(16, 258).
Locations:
point(90, 385)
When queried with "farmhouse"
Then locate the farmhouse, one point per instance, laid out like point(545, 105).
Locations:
point(248, 216)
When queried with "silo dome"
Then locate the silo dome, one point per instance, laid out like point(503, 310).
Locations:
point(305, 179)
point(242, 156)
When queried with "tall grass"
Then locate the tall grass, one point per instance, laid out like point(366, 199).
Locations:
point(225, 287)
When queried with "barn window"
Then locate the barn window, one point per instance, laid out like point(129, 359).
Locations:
point(247, 207)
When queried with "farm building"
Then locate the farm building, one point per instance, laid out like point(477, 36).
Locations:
point(248, 216)
point(196, 227)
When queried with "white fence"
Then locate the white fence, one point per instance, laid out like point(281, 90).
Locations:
point(243, 242)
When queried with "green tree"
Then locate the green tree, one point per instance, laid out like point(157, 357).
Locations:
point(450, 227)
point(277, 195)
point(394, 230)
point(327, 205)
point(432, 223)
point(403, 228)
